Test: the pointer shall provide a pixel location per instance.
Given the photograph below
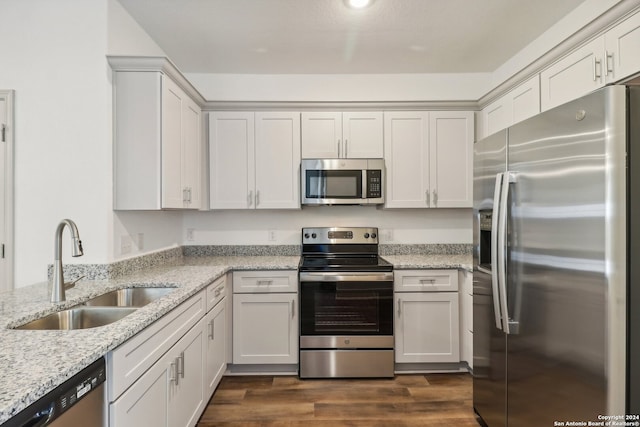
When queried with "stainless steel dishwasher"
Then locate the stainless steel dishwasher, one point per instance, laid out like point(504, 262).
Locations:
point(78, 402)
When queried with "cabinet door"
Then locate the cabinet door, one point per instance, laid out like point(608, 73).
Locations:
point(525, 100)
point(427, 327)
point(145, 402)
point(186, 395)
point(172, 103)
point(406, 155)
point(451, 159)
point(623, 45)
point(191, 154)
point(231, 151)
point(497, 115)
point(277, 160)
point(575, 75)
point(362, 135)
point(265, 328)
point(215, 349)
point(321, 135)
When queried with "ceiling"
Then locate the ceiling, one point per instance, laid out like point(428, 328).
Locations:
point(324, 36)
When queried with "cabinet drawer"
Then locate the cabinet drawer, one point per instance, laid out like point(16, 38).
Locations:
point(216, 291)
point(129, 361)
point(425, 280)
point(265, 281)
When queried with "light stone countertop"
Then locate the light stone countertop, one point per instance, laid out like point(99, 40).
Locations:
point(35, 362)
point(431, 261)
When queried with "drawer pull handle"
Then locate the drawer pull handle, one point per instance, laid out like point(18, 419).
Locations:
point(427, 281)
point(173, 375)
point(181, 364)
point(399, 306)
point(211, 330)
point(265, 282)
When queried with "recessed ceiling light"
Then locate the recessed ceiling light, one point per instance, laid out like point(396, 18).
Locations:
point(358, 4)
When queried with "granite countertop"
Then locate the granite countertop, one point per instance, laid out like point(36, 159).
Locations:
point(431, 261)
point(37, 361)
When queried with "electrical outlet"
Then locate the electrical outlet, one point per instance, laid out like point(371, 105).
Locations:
point(387, 235)
point(272, 236)
point(190, 234)
point(140, 241)
point(125, 244)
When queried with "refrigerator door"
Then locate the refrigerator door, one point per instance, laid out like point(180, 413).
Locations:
point(557, 264)
point(489, 342)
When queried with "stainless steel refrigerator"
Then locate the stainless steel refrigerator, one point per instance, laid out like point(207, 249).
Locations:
point(556, 301)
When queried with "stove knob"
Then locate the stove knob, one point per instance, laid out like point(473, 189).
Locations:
point(313, 235)
point(306, 235)
point(366, 235)
point(373, 235)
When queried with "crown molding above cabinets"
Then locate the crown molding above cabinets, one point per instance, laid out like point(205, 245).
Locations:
point(156, 63)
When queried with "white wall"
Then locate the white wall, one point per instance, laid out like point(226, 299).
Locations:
point(252, 227)
point(53, 56)
point(341, 87)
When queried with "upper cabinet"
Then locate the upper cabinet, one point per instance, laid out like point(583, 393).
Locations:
point(254, 160)
point(519, 104)
point(342, 135)
point(605, 59)
point(428, 158)
point(157, 143)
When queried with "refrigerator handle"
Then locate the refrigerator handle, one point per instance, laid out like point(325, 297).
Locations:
point(508, 325)
point(495, 287)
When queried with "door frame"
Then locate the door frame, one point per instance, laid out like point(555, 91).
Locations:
point(7, 205)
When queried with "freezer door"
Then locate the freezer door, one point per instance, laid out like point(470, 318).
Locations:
point(489, 342)
point(557, 261)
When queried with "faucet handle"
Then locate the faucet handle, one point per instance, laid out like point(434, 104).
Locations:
point(68, 285)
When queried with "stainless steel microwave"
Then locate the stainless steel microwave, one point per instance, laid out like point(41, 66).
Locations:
point(342, 181)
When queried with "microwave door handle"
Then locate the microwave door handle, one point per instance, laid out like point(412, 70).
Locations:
point(495, 225)
point(364, 194)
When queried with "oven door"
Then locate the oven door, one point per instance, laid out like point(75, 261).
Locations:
point(346, 310)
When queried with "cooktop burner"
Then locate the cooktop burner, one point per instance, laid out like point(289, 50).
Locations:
point(341, 249)
point(352, 263)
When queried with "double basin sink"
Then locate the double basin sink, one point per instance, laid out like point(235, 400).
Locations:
point(99, 311)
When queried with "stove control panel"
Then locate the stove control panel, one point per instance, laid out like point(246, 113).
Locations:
point(340, 235)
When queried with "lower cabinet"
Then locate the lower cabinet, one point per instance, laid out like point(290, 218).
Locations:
point(426, 322)
point(165, 375)
point(265, 317)
point(171, 392)
point(215, 348)
point(265, 328)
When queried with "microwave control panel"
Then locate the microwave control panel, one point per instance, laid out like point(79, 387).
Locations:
point(374, 183)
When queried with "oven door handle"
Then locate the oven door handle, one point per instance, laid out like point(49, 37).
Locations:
point(346, 277)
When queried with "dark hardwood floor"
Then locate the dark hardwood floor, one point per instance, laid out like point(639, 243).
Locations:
point(287, 401)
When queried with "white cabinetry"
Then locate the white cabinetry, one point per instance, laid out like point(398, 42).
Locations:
point(428, 158)
point(519, 104)
point(216, 340)
point(157, 378)
point(605, 59)
point(578, 73)
point(157, 143)
point(254, 160)
point(622, 44)
point(265, 323)
point(426, 316)
point(342, 135)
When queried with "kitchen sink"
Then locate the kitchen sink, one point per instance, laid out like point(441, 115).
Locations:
point(129, 297)
point(79, 318)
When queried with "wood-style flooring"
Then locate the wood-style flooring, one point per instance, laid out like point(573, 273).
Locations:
point(287, 401)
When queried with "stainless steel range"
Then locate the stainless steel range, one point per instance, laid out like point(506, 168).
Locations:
point(346, 305)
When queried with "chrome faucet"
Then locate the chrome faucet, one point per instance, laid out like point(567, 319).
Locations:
point(59, 286)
